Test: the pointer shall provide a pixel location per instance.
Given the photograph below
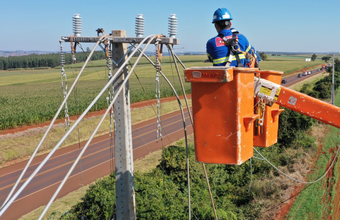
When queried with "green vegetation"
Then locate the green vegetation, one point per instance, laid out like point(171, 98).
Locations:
point(322, 89)
point(316, 200)
point(263, 56)
point(326, 58)
point(314, 56)
point(288, 63)
point(44, 60)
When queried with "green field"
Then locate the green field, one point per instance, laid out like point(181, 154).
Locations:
point(33, 96)
point(289, 64)
point(319, 200)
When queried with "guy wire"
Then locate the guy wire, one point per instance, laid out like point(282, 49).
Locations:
point(251, 174)
point(192, 123)
point(81, 47)
point(75, 93)
point(296, 180)
point(151, 105)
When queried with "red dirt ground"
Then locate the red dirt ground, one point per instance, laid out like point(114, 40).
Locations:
point(336, 199)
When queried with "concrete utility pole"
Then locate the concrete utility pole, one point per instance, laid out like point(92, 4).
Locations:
point(125, 193)
point(333, 83)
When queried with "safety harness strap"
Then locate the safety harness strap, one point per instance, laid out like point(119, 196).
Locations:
point(231, 44)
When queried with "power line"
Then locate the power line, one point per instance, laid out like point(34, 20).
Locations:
point(296, 180)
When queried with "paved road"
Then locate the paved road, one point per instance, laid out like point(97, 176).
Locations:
point(98, 161)
point(291, 80)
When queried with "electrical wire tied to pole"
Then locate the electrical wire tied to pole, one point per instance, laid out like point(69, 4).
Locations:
point(158, 90)
point(64, 84)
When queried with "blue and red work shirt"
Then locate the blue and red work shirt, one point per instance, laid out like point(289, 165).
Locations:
point(218, 52)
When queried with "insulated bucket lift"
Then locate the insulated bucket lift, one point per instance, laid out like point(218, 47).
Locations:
point(235, 109)
point(223, 123)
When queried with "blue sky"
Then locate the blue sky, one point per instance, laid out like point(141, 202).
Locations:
point(269, 25)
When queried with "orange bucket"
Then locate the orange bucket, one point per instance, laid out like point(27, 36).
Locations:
point(223, 112)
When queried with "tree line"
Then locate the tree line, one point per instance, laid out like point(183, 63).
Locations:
point(44, 60)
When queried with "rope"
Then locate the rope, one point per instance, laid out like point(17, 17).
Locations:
point(191, 119)
point(75, 94)
point(296, 180)
point(251, 175)
point(184, 125)
point(151, 105)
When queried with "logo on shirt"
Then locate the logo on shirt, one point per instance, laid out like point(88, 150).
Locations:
point(219, 42)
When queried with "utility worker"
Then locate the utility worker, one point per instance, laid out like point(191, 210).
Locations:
point(229, 47)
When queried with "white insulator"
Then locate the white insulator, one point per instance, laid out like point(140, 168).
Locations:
point(172, 26)
point(139, 25)
point(77, 25)
point(62, 58)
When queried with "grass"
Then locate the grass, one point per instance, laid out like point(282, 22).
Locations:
point(288, 64)
point(315, 200)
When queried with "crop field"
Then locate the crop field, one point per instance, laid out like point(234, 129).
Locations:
point(288, 64)
point(33, 96)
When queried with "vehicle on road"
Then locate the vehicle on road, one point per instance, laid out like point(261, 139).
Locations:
point(299, 76)
point(283, 81)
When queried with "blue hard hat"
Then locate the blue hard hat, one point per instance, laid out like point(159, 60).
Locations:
point(221, 14)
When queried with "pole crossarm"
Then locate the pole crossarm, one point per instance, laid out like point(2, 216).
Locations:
point(132, 40)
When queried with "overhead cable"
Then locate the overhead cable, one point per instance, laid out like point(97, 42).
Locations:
point(48, 129)
point(192, 122)
point(11, 199)
point(102, 119)
point(296, 180)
